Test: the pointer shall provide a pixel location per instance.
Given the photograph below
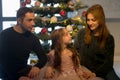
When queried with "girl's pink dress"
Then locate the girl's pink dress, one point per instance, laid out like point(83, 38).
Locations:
point(68, 72)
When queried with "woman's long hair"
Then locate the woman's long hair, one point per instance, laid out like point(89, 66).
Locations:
point(57, 41)
point(98, 13)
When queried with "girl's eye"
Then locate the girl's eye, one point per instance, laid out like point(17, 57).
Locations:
point(66, 34)
point(93, 20)
point(87, 19)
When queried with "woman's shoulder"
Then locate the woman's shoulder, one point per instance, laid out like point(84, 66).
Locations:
point(81, 32)
point(110, 37)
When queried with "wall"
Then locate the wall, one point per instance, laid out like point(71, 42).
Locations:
point(114, 28)
point(111, 7)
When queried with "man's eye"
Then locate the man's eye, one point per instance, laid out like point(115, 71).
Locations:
point(30, 20)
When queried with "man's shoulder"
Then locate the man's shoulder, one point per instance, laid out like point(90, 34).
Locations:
point(34, 36)
point(6, 31)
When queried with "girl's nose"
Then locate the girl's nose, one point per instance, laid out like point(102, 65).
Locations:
point(90, 22)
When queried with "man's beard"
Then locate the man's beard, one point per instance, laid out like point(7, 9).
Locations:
point(24, 29)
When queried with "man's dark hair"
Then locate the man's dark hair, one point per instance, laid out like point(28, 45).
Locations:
point(22, 11)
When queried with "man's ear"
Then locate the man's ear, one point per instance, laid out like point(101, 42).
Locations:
point(19, 20)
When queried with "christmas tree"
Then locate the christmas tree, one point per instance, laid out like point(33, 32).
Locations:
point(53, 13)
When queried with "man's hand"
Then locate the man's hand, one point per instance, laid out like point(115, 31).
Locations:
point(34, 72)
point(24, 78)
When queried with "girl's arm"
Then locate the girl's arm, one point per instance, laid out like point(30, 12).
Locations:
point(85, 73)
point(49, 69)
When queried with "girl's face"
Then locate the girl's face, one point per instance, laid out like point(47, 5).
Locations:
point(67, 38)
point(92, 22)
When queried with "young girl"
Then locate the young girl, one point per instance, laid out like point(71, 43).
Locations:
point(64, 61)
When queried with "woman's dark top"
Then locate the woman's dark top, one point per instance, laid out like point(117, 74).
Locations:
point(98, 60)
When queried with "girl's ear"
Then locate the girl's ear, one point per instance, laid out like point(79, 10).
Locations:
point(58, 41)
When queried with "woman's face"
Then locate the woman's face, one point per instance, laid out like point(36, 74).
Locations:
point(92, 22)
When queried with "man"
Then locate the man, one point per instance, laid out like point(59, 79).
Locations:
point(16, 43)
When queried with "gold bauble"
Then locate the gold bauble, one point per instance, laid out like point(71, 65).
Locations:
point(77, 1)
point(69, 28)
point(53, 19)
point(78, 20)
point(37, 3)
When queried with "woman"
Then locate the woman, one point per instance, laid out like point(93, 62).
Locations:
point(95, 44)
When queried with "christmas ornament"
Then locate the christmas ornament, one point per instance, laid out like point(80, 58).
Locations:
point(78, 20)
point(84, 13)
point(62, 6)
point(77, 1)
point(71, 4)
point(37, 3)
point(43, 1)
point(75, 31)
point(43, 35)
point(69, 28)
point(45, 19)
point(23, 4)
point(62, 13)
point(53, 19)
point(44, 31)
point(27, 1)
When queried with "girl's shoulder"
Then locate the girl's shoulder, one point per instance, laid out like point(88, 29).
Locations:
point(51, 53)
